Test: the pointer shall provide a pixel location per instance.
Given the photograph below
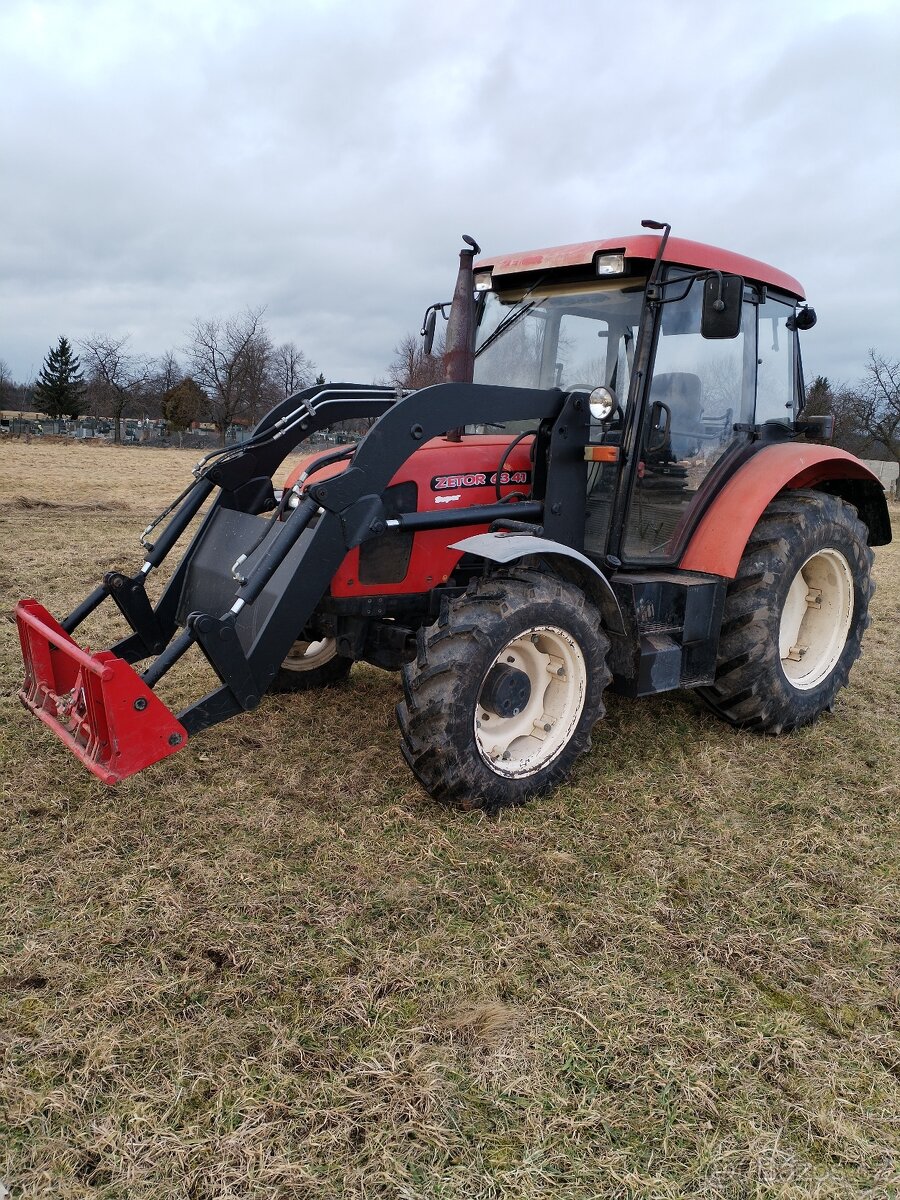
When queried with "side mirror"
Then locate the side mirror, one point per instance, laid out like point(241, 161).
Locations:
point(428, 330)
point(804, 318)
point(722, 299)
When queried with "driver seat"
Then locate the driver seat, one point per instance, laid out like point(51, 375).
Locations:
point(680, 391)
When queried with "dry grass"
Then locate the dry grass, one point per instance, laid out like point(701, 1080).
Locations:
point(271, 967)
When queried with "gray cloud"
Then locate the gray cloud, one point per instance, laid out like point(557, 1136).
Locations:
point(165, 161)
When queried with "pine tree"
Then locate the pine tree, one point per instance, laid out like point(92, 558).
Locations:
point(819, 397)
point(60, 385)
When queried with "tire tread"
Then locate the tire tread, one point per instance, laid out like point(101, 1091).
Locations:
point(750, 689)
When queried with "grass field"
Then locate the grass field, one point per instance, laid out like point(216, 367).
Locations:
point(272, 967)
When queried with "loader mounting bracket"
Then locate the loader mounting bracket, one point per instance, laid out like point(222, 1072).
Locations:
point(218, 640)
point(131, 599)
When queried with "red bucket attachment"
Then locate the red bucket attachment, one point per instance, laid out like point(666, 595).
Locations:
point(95, 703)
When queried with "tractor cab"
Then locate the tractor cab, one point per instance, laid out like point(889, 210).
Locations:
point(693, 380)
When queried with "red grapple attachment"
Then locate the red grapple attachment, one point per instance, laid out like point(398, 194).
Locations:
point(94, 703)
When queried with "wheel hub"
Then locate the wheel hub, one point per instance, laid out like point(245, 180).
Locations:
point(506, 691)
point(308, 656)
point(531, 701)
point(816, 618)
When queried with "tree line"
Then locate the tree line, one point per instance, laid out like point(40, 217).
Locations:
point(229, 372)
point(867, 413)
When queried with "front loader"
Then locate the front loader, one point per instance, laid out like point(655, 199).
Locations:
point(614, 487)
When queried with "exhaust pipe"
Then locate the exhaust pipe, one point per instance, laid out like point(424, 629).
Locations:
point(459, 350)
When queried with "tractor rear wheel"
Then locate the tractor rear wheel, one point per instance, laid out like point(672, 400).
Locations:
point(795, 614)
point(504, 691)
point(311, 665)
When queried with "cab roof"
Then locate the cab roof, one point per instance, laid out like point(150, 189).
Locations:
point(643, 246)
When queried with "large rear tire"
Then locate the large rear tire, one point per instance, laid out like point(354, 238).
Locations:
point(311, 665)
point(504, 691)
point(794, 616)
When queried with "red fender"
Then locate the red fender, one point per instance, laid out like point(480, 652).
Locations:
point(718, 541)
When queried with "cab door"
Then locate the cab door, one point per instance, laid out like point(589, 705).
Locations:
point(607, 360)
point(697, 412)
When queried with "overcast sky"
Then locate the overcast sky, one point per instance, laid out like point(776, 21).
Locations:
point(165, 161)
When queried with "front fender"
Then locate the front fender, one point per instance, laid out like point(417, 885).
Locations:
point(507, 548)
point(718, 542)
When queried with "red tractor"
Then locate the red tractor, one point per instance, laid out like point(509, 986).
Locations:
point(614, 487)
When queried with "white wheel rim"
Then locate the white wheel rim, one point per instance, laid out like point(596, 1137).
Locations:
point(307, 656)
point(526, 742)
point(815, 620)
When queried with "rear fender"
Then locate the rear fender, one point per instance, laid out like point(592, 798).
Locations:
point(507, 548)
point(718, 542)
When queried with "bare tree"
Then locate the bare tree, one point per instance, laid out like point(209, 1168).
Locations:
point(168, 369)
point(230, 360)
point(292, 370)
point(117, 377)
point(6, 383)
point(260, 385)
point(840, 402)
point(877, 404)
point(15, 397)
point(11, 393)
point(411, 367)
point(166, 374)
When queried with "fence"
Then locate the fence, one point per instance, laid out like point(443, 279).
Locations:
point(888, 473)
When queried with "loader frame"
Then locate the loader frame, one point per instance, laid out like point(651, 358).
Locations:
point(246, 619)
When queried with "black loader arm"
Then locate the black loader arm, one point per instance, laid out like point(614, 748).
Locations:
point(246, 629)
point(257, 568)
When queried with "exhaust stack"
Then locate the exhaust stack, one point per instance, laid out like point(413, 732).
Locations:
point(459, 352)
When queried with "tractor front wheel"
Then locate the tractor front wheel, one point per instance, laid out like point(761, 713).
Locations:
point(311, 665)
point(504, 691)
point(795, 614)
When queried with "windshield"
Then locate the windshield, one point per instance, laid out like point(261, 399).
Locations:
point(564, 338)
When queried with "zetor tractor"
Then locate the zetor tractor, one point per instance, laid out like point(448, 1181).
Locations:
point(614, 487)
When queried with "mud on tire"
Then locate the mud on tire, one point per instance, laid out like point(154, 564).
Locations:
point(504, 691)
point(795, 614)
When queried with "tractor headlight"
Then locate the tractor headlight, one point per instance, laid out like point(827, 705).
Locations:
point(610, 264)
point(602, 401)
point(482, 281)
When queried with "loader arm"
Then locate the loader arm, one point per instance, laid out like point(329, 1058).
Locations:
point(246, 620)
point(291, 569)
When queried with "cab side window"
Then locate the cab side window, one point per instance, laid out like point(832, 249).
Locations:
point(776, 367)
